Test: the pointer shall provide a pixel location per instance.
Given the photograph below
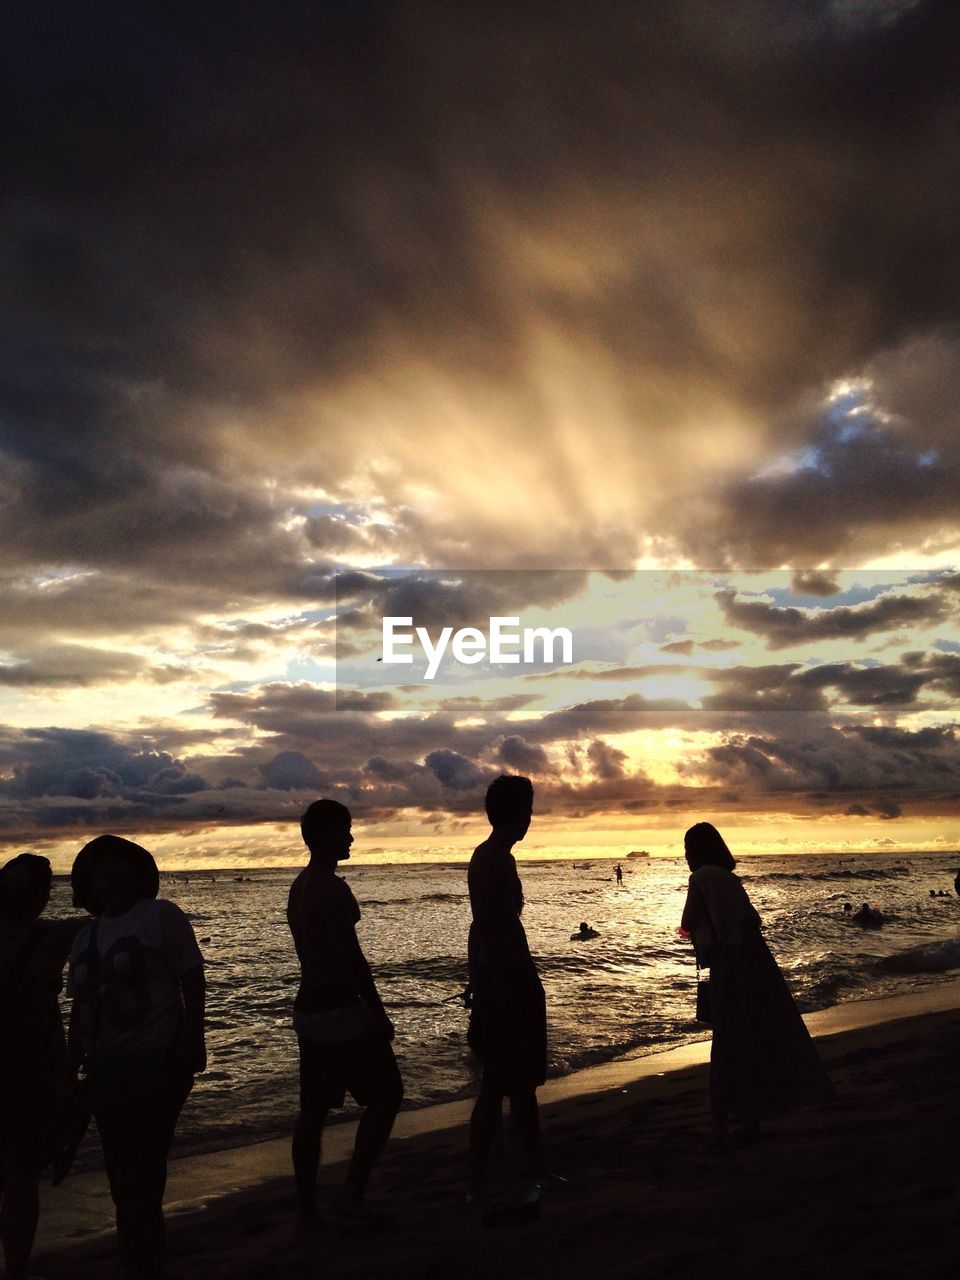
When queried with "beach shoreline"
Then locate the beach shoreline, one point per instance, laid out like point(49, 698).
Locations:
point(252, 1182)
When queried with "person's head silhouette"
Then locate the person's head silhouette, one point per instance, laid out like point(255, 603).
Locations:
point(24, 887)
point(509, 806)
point(705, 846)
point(112, 869)
point(325, 827)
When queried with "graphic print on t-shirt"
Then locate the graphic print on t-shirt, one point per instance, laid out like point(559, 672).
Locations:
point(142, 956)
point(123, 984)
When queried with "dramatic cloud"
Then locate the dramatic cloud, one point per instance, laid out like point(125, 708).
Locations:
point(782, 627)
point(304, 295)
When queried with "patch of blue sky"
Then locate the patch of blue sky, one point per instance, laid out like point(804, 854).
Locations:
point(809, 458)
point(351, 512)
point(317, 615)
point(857, 593)
point(663, 626)
point(306, 670)
point(946, 646)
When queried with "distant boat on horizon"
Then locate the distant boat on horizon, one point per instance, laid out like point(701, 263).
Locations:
point(638, 853)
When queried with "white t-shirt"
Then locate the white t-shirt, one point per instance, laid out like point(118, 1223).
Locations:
point(143, 954)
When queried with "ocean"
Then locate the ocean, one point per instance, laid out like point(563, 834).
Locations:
point(628, 992)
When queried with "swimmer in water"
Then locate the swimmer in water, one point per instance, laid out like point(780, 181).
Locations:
point(585, 934)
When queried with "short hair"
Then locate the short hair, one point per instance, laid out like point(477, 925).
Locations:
point(24, 886)
point(139, 862)
point(508, 797)
point(705, 846)
point(321, 819)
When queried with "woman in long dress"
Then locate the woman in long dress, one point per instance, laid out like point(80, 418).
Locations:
point(762, 1060)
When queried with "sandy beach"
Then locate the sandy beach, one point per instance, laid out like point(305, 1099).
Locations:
point(866, 1187)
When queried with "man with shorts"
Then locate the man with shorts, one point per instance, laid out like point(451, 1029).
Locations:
point(342, 1028)
point(508, 1022)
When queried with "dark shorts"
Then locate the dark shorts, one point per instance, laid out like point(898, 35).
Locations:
point(508, 1032)
point(364, 1067)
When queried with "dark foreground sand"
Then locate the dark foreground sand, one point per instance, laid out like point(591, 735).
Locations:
point(867, 1187)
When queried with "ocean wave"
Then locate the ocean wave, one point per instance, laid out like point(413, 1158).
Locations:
point(406, 902)
point(863, 873)
point(932, 957)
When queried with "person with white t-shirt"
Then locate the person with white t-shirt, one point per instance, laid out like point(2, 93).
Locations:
point(136, 976)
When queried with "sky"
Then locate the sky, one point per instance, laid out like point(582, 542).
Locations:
point(307, 308)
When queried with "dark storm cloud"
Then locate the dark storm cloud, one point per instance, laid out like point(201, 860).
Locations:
point(888, 809)
point(291, 771)
point(525, 757)
point(64, 776)
point(608, 762)
point(811, 583)
point(207, 219)
point(873, 761)
point(857, 488)
point(72, 666)
point(784, 626)
point(456, 285)
point(451, 598)
point(790, 687)
point(454, 770)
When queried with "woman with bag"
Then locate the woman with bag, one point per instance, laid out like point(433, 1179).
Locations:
point(762, 1060)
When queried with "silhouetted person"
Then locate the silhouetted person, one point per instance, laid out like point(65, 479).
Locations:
point(762, 1060)
point(136, 974)
point(343, 1030)
point(508, 1023)
point(868, 917)
point(33, 1074)
point(956, 883)
point(584, 934)
point(618, 871)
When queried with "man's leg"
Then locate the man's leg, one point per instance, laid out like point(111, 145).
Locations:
point(307, 1142)
point(383, 1095)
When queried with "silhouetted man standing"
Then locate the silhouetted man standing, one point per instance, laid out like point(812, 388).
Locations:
point(343, 1030)
point(508, 1027)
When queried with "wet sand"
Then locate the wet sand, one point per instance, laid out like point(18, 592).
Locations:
point(865, 1187)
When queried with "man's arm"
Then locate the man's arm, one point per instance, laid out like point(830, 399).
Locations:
point(191, 1050)
point(356, 965)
